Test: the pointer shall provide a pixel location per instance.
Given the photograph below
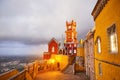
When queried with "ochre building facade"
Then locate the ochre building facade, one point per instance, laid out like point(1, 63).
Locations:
point(107, 39)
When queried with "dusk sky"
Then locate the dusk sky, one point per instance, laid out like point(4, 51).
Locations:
point(26, 26)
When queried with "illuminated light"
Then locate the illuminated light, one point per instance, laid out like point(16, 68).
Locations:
point(81, 41)
point(53, 49)
point(99, 46)
point(64, 41)
point(51, 61)
point(58, 58)
point(114, 45)
point(75, 45)
point(69, 27)
point(74, 51)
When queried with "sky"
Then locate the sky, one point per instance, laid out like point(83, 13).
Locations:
point(26, 26)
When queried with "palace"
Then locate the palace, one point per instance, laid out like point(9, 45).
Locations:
point(98, 54)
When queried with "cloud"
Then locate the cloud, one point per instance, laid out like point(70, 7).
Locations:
point(16, 48)
point(35, 22)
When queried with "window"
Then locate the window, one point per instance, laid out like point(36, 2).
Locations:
point(98, 44)
point(69, 27)
point(112, 36)
point(100, 68)
point(53, 49)
point(70, 51)
point(75, 45)
point(74, 50)
point(70, 45)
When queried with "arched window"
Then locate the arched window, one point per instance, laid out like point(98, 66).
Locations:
point(70, 51)
point(98, 41)
point(75, 45)
point(53, 49)
point(74, 50)
point(69, 27)
point(70, 45)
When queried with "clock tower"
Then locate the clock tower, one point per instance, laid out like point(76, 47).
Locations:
point(71, 38)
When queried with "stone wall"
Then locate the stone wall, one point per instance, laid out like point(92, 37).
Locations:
point(8, 74)
point(62, 60)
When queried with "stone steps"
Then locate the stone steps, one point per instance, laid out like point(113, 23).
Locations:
point(69, 70)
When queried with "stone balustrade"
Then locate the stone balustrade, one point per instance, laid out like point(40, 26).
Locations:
point(28, 73)
point(20, 76)
point(8, 74)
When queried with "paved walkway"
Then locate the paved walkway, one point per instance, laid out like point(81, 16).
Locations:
point(69, 70)
point(57, 75)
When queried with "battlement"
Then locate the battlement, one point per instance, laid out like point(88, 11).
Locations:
point(72, 23)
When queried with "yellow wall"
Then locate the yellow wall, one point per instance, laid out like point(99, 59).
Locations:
point(109, 72)
point(62, 59)
point(109, 15)
point(80, 51)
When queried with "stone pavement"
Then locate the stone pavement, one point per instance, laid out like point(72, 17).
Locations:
point(58, 75)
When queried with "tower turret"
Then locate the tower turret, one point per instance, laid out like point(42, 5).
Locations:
point(71, 38)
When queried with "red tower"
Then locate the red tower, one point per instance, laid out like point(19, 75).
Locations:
point(53, 46)
point(71, 39)
point(52, 49)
